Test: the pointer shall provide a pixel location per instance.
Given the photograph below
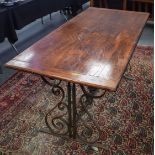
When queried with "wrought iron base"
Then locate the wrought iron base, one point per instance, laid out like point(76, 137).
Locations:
point(127, 75)
point(69, 117)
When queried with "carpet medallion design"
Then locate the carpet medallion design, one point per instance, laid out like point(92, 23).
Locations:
point(125, 116)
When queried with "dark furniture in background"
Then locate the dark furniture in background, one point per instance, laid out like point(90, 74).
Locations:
point(7, 29)
point(23, 13)
point(16, 17)
point(144, 5)
point(133, 5)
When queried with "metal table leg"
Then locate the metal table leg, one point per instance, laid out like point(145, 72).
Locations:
point(127, 75)
point(66, 123)
point(14, 47)
point(42, 20)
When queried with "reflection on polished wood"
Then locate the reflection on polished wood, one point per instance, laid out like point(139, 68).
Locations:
point(92, 49)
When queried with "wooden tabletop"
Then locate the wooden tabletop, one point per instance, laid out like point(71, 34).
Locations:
point(92, 49)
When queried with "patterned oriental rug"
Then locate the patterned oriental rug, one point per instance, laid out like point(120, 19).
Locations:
point(125, 116)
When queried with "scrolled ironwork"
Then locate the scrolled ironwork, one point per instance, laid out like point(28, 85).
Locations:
point(57, 91)
point(90, 133)
point(51, 81)
point(91, 92)
point(57, 124)
point(65, 119)
point(127, 75)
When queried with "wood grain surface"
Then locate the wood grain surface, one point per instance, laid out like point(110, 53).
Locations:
point(92, 49)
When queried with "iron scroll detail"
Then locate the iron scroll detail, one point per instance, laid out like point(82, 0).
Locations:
point(58, 124)
point(73, 119)
point(91, 133)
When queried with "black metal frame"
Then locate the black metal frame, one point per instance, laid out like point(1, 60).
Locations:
point(127, 75)
point(14, 47)
point(65, 123)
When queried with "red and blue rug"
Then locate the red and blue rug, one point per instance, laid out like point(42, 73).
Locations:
point(125, 117)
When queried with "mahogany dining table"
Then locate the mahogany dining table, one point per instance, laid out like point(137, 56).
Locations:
point(90, 52)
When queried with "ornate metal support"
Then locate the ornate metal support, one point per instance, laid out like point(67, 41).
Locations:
point(91, 131)
point(62, 124)
point(126, 75)
point(72, 110)
point(50, 81)
point(58, 124)
point(68, 119)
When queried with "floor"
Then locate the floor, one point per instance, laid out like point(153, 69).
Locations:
point(36, 30)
